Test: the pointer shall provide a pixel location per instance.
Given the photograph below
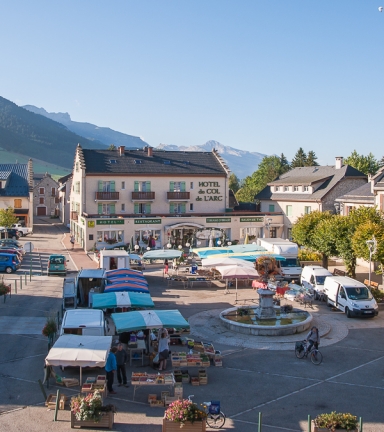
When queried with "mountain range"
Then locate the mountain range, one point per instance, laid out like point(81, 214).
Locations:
point(53, 137)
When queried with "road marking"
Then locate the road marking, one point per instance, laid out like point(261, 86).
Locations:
point(267, 426)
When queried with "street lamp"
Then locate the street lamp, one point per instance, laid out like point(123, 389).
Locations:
point(148, 248)
point(372, 246)
point(218, 243)
point(229, 243)
point(180, 247)
point(169, 245)
point(137, 247)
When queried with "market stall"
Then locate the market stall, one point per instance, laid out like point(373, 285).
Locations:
point(126, 286)
point(122, 299)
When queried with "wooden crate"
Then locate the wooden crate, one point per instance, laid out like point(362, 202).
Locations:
point(101, 379)
point(51, 401)
point(152, 397)
point(156, 403)
point(169, 399)
point(195, 381)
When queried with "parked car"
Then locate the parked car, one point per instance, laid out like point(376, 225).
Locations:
point(10, 242)
point(22, 229)
point(12, 251)
point(8, 263)
point(9, 233)
point(57, 264)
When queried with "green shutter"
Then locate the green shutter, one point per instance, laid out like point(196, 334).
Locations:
point(100, 209)
point(171, 187)
point(136, 187)
point(147, 208)
point(100, 185)
point(112, 184)
point(182, 186)
point(112, 208)
point(148, 186)
point(172, 207)
point(136, 207)
point(182, 208)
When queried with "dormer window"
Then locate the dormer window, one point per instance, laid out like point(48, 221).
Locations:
point(112, 161)
point(296, 189)
point(286, 188)
point(306, 188)
point(277, 188)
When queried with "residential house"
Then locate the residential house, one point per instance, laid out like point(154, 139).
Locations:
point(153, 198)
point(362, 196)
point(45, 197)
point(377, 188)
point(16, 185)
point(64, 189)
point(305, 189)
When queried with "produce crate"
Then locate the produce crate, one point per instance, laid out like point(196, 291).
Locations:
point(156, 403)
point(152, 397)
point(195, 381)
point(169, 399)
point(164, 394)
point(51, 401)
point(178, 391)
point(101, 379)
point(185, 378)
point(218, 362)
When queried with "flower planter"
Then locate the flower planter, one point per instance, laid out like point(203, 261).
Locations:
point(320, 429)
point(105, 422)
point(197, 426)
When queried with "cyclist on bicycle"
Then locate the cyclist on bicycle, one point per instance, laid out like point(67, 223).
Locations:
point(313, 339)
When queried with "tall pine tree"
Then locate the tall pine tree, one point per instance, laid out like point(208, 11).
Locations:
point(311, 159)
point(300, 159)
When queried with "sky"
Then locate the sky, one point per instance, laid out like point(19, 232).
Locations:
point(266, 76)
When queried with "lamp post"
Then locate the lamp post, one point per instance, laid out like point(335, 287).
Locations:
point(218, 243)
point(372, 246)
point(137, 247)
point(169, 245)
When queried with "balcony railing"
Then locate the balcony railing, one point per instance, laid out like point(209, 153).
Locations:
point(107, 196)
point(74, 215)
point(143, 195)
point(178, 195)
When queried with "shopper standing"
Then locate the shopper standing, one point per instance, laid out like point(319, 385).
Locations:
point(121, 359)
point(72, 240)
point(163, 349)
point(110, 368)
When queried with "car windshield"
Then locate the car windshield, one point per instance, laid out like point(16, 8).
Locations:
point(57, 260)
point(320, 280)
point(290, 262)
point(359, 293)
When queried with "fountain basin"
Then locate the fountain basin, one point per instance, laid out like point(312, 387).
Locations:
point(297, 321)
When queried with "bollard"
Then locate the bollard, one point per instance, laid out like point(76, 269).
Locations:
point(42, 389)
point(16, 285)
point(25, 281)
point(259, 426)
point(21, 282)
point(361, 424)
point(57, 404)
point(309, 423)
point(30, 273)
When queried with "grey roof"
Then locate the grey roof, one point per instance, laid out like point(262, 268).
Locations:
point(327, 176)
point(378, 179)
point(17, 183)
point(162, 162)
point(361, 194)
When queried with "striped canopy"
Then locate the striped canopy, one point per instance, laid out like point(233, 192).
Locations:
point(122, 271)
point(122, 299)
point(128, 279)
point(127, 286)
point(141, 320)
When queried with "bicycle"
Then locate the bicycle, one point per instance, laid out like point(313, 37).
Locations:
point(301, 351)
point(215, 417)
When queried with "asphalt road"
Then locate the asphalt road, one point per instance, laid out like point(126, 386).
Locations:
point(269, 380)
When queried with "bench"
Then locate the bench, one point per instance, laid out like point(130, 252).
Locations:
point(372, 284)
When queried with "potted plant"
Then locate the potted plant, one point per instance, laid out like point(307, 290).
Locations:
point(50, 328)
point(88, 410)
point(335, 422)
point(184, 414)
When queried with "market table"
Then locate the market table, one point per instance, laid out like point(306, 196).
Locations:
point(142, 379)
point(198, 279)
point(139, 349)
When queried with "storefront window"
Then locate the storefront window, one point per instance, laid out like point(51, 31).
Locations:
point(110, 236)
point(148, 238)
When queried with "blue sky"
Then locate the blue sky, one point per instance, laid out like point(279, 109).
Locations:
point(266, 76)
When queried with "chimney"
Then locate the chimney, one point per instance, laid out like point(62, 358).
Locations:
point(338, 162)
point(150, 151)
point(121, 150)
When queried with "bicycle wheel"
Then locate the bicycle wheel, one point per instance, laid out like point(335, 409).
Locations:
point(299, 353)
point(215, 421)
point(316, 357)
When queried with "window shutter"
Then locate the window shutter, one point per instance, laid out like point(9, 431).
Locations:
point(112, 208)
point(182, 186)
point(147, 208)
point(112, 186)
point(136, 207)
point(148, 186)
point(136, 187)
point(172, 207)
point(171, 187)
point(100, 209)
point(182, 208)
point(100, 185)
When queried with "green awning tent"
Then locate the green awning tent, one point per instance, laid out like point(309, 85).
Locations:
point(122, 299)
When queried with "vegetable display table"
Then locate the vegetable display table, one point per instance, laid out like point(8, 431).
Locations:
point(142, 379)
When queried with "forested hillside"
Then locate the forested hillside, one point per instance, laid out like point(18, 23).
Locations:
point(35, 136)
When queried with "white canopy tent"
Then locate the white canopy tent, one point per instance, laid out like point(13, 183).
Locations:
point(79, 351)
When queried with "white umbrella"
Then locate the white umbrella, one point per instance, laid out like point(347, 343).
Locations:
point(237, 272)
point(225, 261)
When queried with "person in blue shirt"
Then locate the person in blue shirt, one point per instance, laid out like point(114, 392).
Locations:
point(110, 368)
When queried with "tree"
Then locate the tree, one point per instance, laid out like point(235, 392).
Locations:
point(311, 159)
point(7, 217)
point(366, 164)
point(234, 183)
point(300, 159)
point(304, 230)
point(112, 147)
point(284, 164)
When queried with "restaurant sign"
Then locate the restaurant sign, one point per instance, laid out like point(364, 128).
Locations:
point(110, 222)
point(217, 220)
point(145, 221)
point(251, 219)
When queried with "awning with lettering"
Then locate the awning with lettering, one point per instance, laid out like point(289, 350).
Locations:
point(183, 224)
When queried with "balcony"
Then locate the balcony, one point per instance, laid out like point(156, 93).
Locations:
point(178, 195)
point(143, 196)
point(107, 196)
point(74, 215)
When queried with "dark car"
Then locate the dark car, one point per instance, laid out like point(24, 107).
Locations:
point(11, 243)
point(9, 233)
point(10, 250)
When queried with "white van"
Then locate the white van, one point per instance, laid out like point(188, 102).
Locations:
point(350, 296)
point(86, 322)
point(313, 278)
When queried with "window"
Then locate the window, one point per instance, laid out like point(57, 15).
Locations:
point(289, 233)
point(17, 203)
point(288, 210)
point(142, 186)
point(286, 188)
point(41, 191)
point(277, 188)
point(110, 237)
point(306, 188)
point(1, 185)
point(296, 189)
point(271, 208)
point(191, 185)
point(123, 207)
point(104, 186)
point(77, 166)
point(177, 208)
point(77, 187)
point(41, 200)
point(53, 191)
point(123, 185)
point(178, 186)
point(273, 232)
point(106, 208)
point(142, 208)
point(191, 207)
point(307, 209)
point(90, 236)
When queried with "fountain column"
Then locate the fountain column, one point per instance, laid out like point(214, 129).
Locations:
point(266, 309)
